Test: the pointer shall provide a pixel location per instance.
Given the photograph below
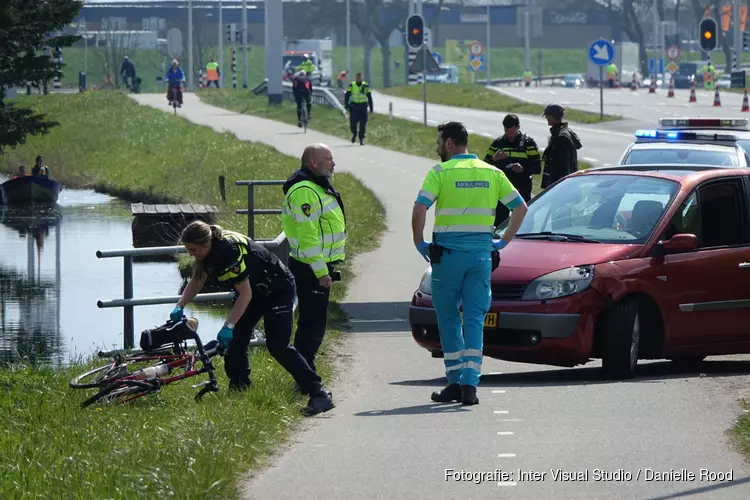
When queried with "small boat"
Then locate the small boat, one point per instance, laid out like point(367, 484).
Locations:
point(29, 189)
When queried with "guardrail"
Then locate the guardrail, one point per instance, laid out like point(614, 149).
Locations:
point(323, 96)
point(278, 245)
point(511, 81)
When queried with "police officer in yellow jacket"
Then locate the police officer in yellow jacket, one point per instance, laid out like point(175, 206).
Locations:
point(356, 101)
point(465, 191)
point(314, 222)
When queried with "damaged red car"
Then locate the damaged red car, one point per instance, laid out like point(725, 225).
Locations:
point(620, 264)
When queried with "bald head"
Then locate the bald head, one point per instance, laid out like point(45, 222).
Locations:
point(319, 159)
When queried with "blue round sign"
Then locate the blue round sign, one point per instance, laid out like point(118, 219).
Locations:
point(601, 52)
point(436, 55)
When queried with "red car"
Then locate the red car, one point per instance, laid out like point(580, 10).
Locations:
point(620, 263)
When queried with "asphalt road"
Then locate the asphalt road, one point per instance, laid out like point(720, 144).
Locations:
point(387, 440)
point(602, 144)
point(636, 105)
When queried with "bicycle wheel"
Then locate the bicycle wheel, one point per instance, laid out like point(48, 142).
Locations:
point(122, 366)
point(101, 376)
point(125, 391)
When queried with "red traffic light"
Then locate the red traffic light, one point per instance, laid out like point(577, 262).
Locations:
point(415, 31)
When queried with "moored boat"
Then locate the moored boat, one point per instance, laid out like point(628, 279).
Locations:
point(29, 189)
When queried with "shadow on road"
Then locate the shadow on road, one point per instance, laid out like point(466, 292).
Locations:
point(646, 373)
point(704, 489)
point(415, 410)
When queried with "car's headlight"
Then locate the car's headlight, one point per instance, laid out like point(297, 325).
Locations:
point(425, 285)
point(560, 283)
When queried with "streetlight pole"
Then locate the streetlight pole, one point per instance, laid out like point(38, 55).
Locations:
point(488, 49)
point(190, 45)
point(244, 43)
point(348, 37)
point(221, 47)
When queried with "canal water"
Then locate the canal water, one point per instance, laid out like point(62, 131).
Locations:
point(51, 280)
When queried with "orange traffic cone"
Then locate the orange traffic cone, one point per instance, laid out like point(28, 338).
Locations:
point(692, 92)
point(633, 85)
point(745, 105)
point(671, 89)
point(717, 99)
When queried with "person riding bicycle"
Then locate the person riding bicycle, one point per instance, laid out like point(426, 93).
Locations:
point(127, 72)
point(307, 66)
point(265, 288)
point(302, 89)
point(175, 78)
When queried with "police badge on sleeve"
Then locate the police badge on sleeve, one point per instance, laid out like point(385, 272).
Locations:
point(306, 209)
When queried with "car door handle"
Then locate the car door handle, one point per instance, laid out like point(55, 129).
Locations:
point(745, 265)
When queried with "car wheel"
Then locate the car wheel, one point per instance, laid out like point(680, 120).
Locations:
point(621, 339)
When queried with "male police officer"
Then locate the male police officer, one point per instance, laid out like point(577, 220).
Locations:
point(466, 191)
point(356, 101)
point(517, 155)
point(314, 222)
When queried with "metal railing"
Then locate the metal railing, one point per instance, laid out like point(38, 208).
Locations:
point(323, 96)
point(278, 245)
point(514, 81)
point(251, 211)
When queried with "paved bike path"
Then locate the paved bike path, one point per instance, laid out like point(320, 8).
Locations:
point(386, 439)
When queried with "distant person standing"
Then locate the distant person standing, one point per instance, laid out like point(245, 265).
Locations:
point(517, 155)
point(342, 78)
point(212, 73)
point(561, 156)
point(356, 101)
point(127, 72)
point(39, 167)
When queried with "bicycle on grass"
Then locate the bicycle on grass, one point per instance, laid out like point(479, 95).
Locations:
point(139, 373)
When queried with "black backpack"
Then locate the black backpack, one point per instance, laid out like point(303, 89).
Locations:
point(169, 333)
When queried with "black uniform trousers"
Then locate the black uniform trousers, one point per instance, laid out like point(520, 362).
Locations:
point(305, 99)
point(523, 186)
point(313, 310)
point(276, 312)
point(358, 116)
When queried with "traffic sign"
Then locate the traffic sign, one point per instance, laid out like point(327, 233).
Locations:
point(673, 52)
point(476, 63)
point(601, 52)
point(436, 56)
point(174, 42)
point(476, 49)
point(655, 66)
point(672, 67)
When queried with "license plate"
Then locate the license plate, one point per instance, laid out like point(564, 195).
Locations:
point(490, 319)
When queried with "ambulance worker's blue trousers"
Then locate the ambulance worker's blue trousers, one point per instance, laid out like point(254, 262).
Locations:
point(462, 277)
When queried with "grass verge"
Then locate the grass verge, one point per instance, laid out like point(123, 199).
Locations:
point(479, 97)
point(166, 444)
point(396, 134)
point(741, 429)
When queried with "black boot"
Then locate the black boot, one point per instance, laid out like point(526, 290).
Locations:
point(469, 395)
point(354, 138)
point(452, 392)
point(321, 402)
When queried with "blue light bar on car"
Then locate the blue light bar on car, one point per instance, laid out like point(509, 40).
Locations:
point(683, 136)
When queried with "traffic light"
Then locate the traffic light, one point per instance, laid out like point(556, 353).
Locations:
point(745, 40)
point(415, 31)
point(707, 32)
point(230, 32)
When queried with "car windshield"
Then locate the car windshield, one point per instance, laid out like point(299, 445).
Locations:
point(667, 155)
point(601, 208)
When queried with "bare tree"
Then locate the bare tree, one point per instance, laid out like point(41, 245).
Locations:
point(117, 45)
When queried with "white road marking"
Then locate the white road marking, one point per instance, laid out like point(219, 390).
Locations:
point(498, 391)
point(592, 160)
point(414, 117)
point(504, 433)
point(510, 420)
point(506, 455)
point(500, 412)
point(507, 483)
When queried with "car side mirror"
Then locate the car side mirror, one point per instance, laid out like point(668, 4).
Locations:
point(680, 243)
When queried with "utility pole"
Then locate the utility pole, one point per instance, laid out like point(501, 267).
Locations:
point(274, 50)
point(526, 37)
point(737, 62)
point(348, 37)
point(488, 48)
point(244, 41)
point(221, 47)
point(190, 46)
point(657, 52)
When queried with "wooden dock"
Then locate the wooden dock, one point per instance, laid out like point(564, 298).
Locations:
point(160, 225)
point(187, 209)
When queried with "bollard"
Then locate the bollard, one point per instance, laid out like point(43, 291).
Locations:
point(390, 110)
point(81, 81)
point(223, 187)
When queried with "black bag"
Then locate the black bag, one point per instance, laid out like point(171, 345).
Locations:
point(169, 333)
point(495, 259)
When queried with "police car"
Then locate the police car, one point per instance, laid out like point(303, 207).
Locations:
point(692, 141)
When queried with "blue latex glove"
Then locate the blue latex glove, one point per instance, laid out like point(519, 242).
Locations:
point(499, 244)
point(423, 248)
point(176, 314)
point(224, 336)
